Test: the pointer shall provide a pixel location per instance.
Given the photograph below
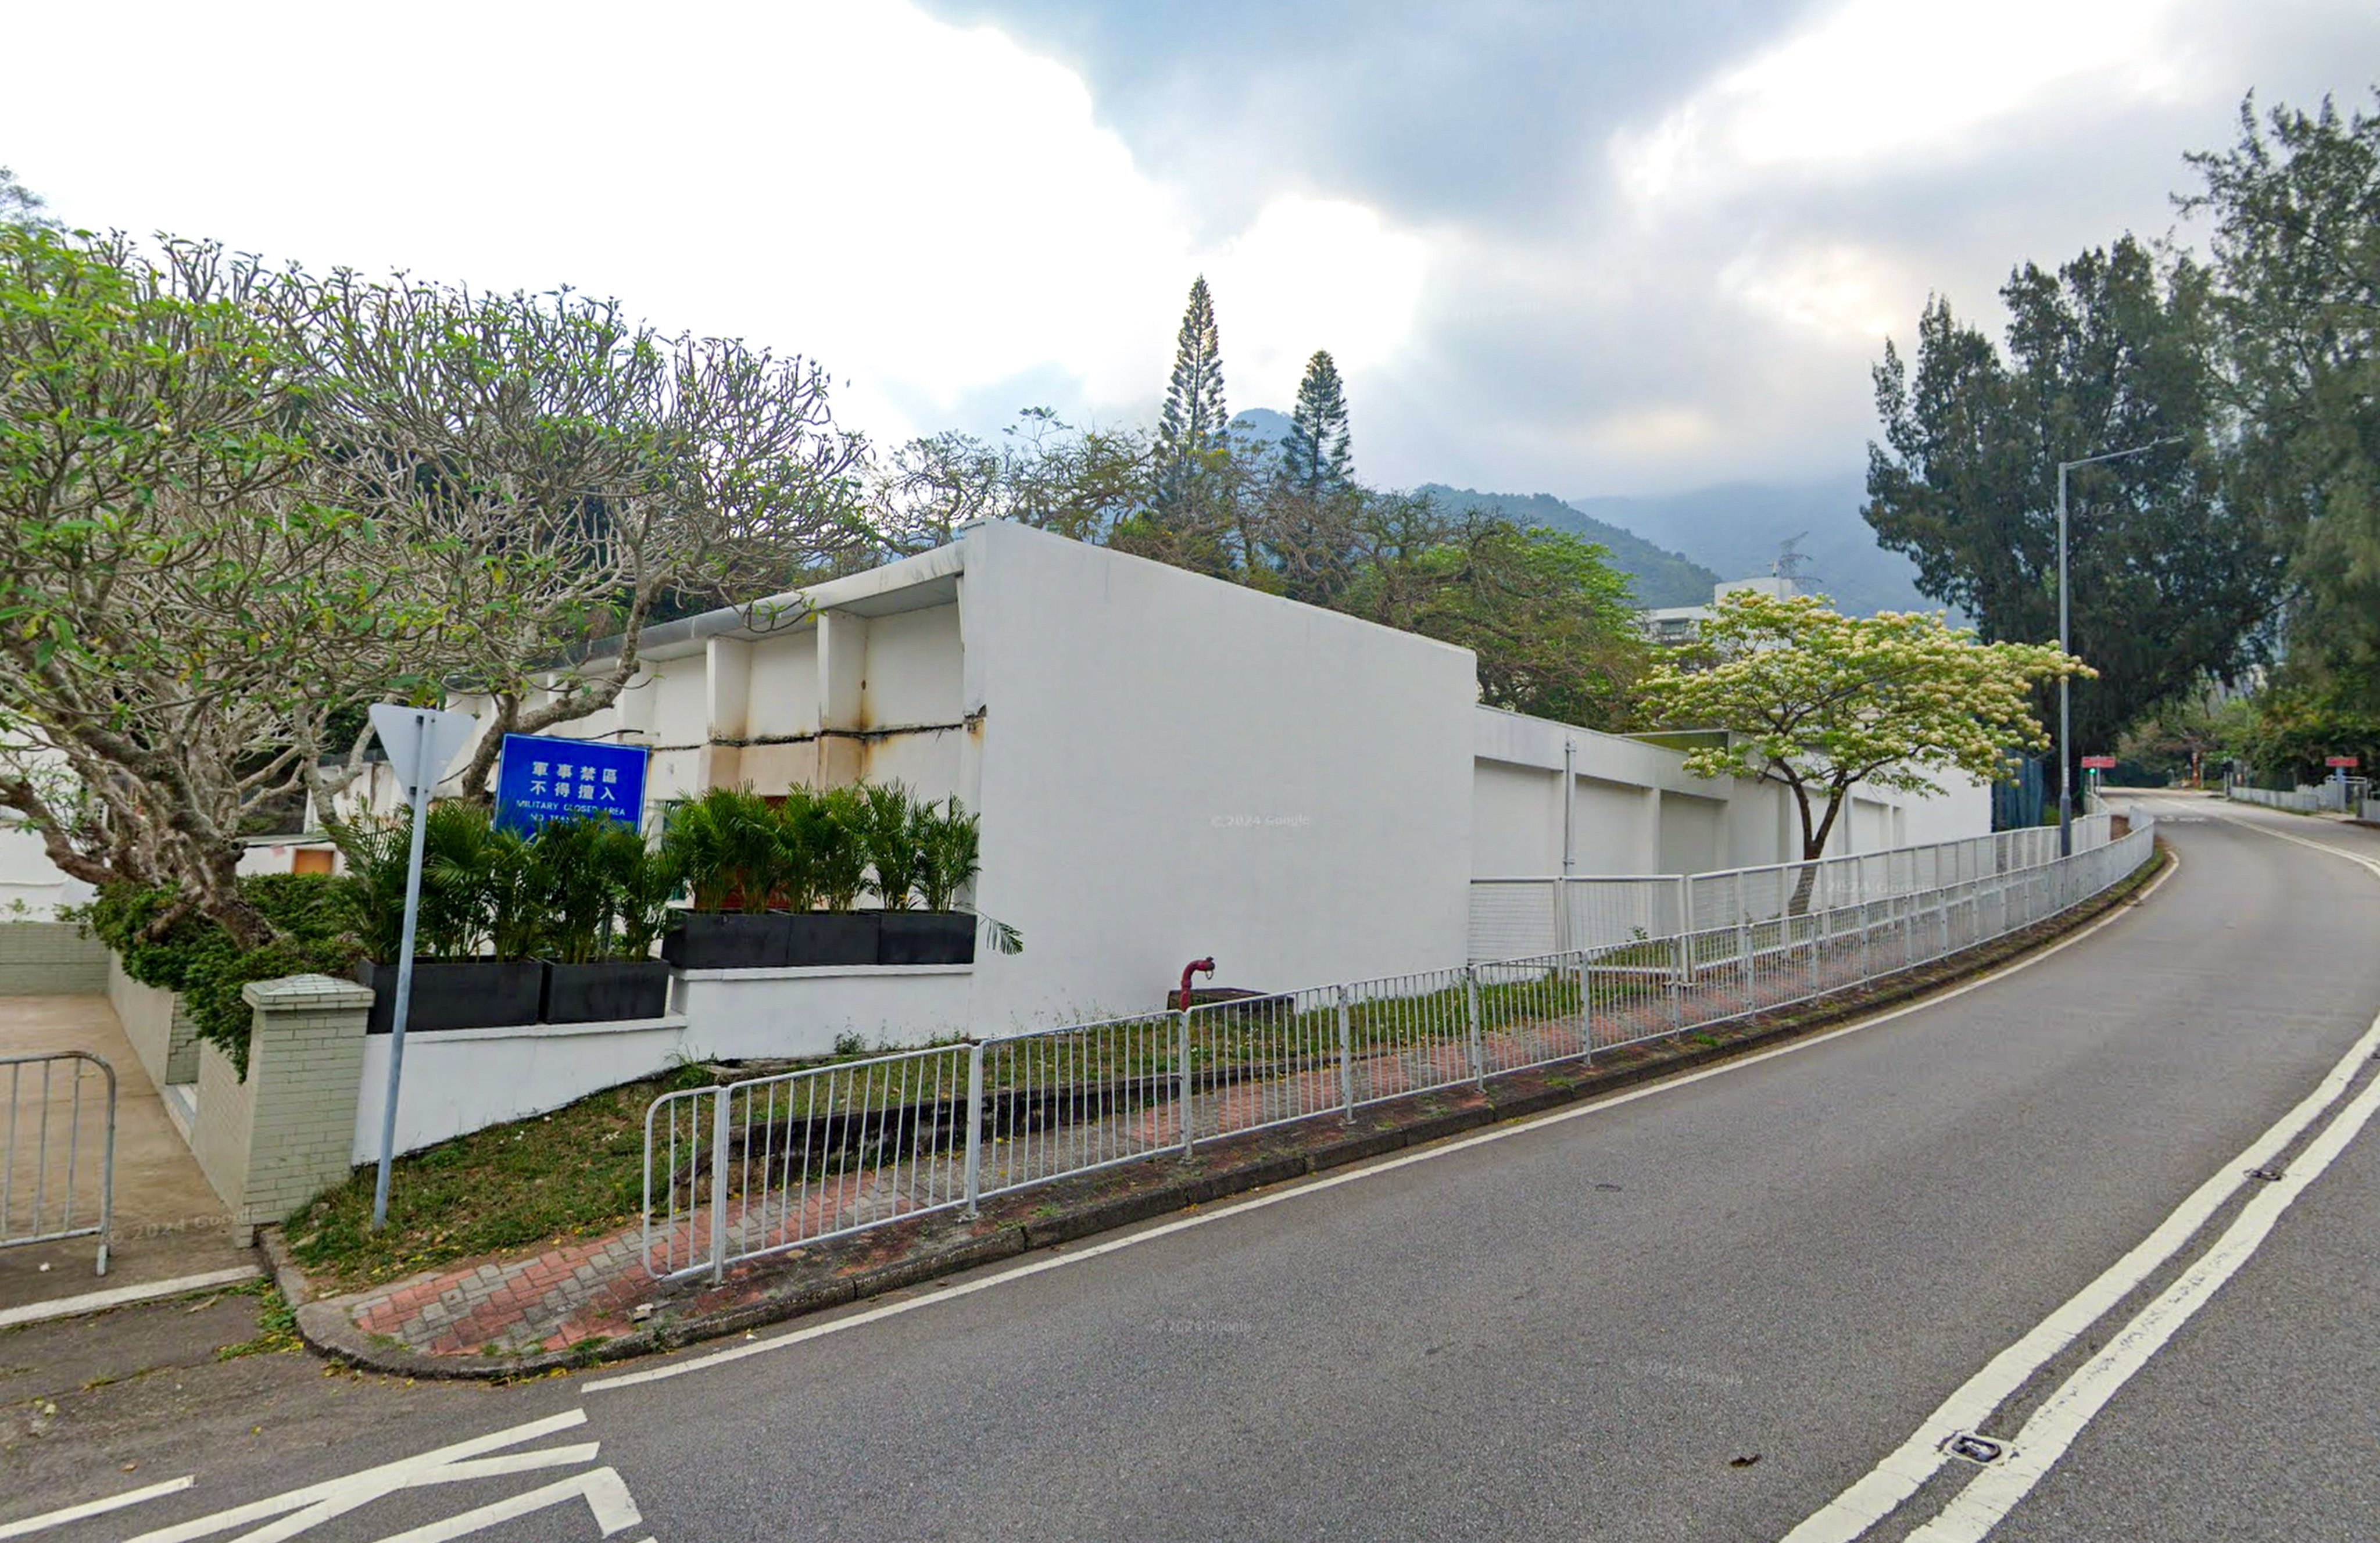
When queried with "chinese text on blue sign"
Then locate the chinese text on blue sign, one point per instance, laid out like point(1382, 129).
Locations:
point(541, 779)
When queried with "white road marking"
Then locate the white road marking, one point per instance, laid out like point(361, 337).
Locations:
point(1899, 1477)
point(2263, 829)
point(2053, 1428)
point(123, 1296)
point(602, 1488)
point(49, 1519)
point(302, 1509)
point(1909, 1466)
point(1348, 1176)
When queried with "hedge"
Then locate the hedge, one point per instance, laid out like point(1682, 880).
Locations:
point(206, 967)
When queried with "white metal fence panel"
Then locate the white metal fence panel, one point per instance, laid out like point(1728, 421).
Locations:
point(1523, 918)
point(2303, 800)
point(57, 1149)
point(759, 1166)
point(1066, 1100)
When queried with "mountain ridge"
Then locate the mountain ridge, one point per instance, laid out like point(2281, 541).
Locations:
point(1657, 576)
point(1674, 547)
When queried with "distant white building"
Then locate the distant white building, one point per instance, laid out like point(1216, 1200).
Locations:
point(1684, 623)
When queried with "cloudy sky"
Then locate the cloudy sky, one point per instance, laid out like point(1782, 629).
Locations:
point(1605, 246)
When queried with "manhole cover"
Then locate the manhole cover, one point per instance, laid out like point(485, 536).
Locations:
point(1976, 1449)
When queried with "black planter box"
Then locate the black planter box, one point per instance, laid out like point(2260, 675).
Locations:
point(727, 940)
point(927, 938)
point(455, 993)
point(816, 938)
point(611, 991)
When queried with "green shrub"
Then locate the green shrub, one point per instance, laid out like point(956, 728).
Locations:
point(570, 868)
point(644, 881)
point(822, 849)
point(816, 846)
point(479, 890)
point(604, 894)
point(120, 917)
point(202, 963)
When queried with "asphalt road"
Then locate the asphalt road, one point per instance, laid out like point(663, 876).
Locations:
point(1704, 1313)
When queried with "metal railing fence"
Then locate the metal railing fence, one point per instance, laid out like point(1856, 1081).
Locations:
point(2336, 797)
point(57, 1149)
point(759, 1166)
point(1511, 918)
point(2303, 800)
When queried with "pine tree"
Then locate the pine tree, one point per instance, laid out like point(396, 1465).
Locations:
point(1195, 421)
point(1316, 451)
point(20, 204)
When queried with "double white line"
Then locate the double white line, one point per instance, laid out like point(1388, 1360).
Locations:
point(2045, 1436)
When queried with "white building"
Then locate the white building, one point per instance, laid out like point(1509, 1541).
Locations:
point(1166, 767)
point(1684, 623)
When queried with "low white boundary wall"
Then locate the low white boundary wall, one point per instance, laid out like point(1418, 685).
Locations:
point(460, 1080)
point(796, 1014)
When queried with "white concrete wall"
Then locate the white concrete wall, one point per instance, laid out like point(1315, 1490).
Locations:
point(466, 1079)
point(1166, 767)
point(759, 1015)
point(30, 881)
point(1173, 766)
point(1640, 811)
point(1962, 808)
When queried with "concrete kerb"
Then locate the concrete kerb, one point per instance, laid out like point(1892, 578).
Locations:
point(1227, 1166)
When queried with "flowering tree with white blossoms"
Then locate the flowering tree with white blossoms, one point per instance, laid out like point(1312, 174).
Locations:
point(1820, 703)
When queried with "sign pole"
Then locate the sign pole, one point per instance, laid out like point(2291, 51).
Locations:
point(420, 780)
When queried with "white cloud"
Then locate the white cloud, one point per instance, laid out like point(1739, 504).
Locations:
point(1884, 81)
point(1312, 274)
point(1652, 433)
point(928, 209)
point(1841, 290)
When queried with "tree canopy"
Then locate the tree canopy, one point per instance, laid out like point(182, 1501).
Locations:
point(2295, 206)
point(1821, 703)
point(237, 503)
point(20, 204)
point(2111, 351)
point(609, 466)
point(1548, 616)
point(1193, 429)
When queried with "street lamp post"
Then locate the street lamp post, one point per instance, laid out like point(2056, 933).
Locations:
point(2065, 683)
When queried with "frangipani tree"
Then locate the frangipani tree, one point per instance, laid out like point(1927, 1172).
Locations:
point(576, 468)
point(238, 504)
point(176, 599)
point(1821, 703)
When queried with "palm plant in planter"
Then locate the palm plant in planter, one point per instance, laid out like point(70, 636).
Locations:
point(839, 863)
point(590, 873)
point(728, 845)
point(825, 862)
point(475, 902)
point(889, 833)
point(941, 844)
point(647, 881)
